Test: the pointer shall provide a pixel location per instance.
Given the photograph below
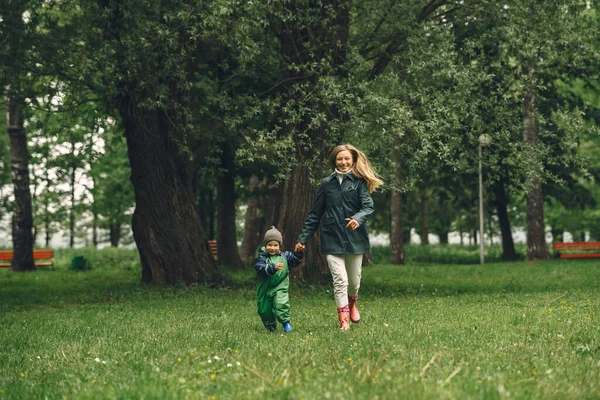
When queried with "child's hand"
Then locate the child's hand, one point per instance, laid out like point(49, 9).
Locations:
point(279, 266)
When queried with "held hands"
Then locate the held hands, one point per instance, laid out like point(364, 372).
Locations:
point(279, 266)
point(352, 224)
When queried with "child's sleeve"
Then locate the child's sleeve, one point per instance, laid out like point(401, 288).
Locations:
point(261, 266)
point(293, 259)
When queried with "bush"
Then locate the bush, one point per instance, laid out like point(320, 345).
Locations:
point(80, 263)
point(108, 258)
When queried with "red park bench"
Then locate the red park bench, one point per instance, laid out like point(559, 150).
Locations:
point(7, 255)
point(577, 249)
point(214, 249)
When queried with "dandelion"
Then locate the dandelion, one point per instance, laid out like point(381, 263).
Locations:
point(179, 359)
point(238, 363)
point(216, 358)
point(349, 358)
point(213, 376)
point(22, 374)
point(209, 361)
point(229, 365)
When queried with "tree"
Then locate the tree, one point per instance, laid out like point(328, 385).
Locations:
point(139, 58)
point(13, 78)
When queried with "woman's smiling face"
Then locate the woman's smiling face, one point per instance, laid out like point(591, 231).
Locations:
point(343, 161)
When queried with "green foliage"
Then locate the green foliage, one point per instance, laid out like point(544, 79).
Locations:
point(444, 254)
point(80, 263)
point(107, 259)
point(528, 329)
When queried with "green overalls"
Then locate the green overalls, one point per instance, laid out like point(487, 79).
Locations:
point(272, 286)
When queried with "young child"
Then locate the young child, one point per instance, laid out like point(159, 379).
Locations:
point(272, 266)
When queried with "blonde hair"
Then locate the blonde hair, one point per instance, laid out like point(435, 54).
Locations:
point(361, 167)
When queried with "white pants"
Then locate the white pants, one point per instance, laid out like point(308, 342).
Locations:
point(346, 271)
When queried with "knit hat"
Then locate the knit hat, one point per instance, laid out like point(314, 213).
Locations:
point(273, 234)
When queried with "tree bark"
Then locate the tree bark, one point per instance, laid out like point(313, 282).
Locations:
point(501, 199)
point(396, 234)
point(252, 228)
point(536, 237)
point(170, 239)
point(114, 232)
point(270, 204)
point(47, 221)
point(444, 238)
point(367, 259)
point(72, 209)
point(22, 219)
point(424, 216)
point(298, 198)
point(226, 209)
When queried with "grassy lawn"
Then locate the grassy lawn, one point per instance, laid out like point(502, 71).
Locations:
point(439, 331)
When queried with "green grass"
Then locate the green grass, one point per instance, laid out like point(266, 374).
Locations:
point(520, 330)
point(446, 254)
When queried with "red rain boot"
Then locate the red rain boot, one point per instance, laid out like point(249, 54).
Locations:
point(354, 315)
point(343, 314)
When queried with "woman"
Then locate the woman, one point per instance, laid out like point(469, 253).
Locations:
point(342, 207)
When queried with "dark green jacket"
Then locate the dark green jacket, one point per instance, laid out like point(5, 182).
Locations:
point(333, 205)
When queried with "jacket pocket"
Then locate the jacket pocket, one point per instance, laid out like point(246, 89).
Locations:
point(328, 220)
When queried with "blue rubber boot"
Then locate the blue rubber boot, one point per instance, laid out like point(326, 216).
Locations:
point(287, 327)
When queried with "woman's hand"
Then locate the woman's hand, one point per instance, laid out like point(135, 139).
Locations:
point(352, 224)
point(299, 247)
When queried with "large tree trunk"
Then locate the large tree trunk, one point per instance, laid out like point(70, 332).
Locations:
point(22, 220)
point(298, 197)
point(252, 231)
point(536, 237)
point(226, 209)
point(72, 209)
point(270, 206)
point(94, 228)
point(170, 239)
point(114, 232)
point(443, 238)
point(508, 245)
point(424, 216)
point(396, 235)
point(47, 221)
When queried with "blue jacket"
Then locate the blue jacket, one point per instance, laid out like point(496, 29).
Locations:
point(265, 263)
point(334, 203)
